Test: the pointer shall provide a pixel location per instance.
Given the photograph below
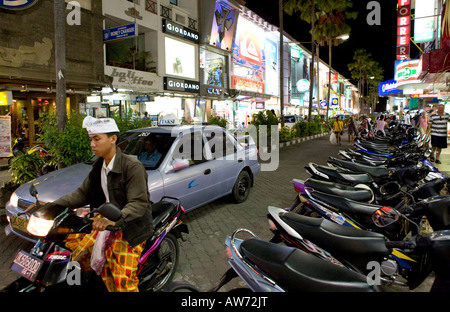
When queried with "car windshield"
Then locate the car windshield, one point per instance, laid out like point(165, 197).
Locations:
point(150, 148)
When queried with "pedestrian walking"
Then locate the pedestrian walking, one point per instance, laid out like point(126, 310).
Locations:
point(338, 129)
point(351, 128)
point(438, 126)
point(423, 123)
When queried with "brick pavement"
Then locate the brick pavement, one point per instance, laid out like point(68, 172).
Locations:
point(202, 256)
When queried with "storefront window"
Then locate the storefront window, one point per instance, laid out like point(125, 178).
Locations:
point(213, 65)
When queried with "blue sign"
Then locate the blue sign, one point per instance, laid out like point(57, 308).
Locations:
point(17, 4)
point(120, 32)
point(143, 98)
point(388, 87)
point(334, 101)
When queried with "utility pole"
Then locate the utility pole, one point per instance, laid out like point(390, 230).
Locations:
point(280, 11)
point(60, 63)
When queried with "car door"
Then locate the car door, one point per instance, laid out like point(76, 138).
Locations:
point(228, 158)
point(193, 184)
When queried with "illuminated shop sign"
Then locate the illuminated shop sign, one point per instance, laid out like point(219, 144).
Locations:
point(408, 71)
point(181, 58)
point(179, 31)
point(388, 87)
point(248, 45)
point(403, 29)
point(224, 25)
point(246, 84)
point(173, 84)
point(17, 4)
point(424, 20)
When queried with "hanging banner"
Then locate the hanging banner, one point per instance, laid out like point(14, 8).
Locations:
point(5, 136)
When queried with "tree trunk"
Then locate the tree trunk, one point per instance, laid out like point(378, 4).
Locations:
point(313, 52)
point(60, 62)
point(329, 79)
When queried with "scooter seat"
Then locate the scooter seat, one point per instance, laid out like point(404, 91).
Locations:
point(161, 210)
point(357, 246)
point(358, 194)
point(296, 271)
point(360, 211)
point(343, 174)
point(377, 172)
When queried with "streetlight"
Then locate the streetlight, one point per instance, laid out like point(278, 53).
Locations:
point(330, 45)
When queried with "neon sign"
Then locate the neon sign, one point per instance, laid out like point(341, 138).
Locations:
point(403, 29)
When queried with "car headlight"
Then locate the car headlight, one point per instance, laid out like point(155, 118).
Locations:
point(38, 226)
point(14, 200)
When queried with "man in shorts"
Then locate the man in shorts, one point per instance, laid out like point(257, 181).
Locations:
point(438, 125)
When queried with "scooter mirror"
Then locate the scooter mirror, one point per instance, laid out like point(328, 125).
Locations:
point(33, 190)
point(385, 216)
point(109, 211)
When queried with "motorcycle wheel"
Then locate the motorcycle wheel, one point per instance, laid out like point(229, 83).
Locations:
point(168, 255)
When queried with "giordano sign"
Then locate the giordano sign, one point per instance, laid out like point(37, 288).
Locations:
point(17, 4)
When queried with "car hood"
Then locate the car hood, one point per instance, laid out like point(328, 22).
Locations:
point(55, 184)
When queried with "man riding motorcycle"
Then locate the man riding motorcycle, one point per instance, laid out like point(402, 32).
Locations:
point(121, 180)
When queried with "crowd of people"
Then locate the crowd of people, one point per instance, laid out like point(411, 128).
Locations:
point(433, 123)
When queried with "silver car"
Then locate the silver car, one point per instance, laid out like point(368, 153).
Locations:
point(196, 164)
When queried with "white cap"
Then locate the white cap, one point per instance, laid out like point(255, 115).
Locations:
point(101, 125)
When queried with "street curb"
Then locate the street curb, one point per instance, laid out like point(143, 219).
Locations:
point(304, 139)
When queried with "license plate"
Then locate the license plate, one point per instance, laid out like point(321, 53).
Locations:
point(26, 265)
point(19, 223)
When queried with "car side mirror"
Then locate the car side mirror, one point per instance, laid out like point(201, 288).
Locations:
point(109, 211)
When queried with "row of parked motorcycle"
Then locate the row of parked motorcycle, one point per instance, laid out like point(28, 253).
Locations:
point(378, 215)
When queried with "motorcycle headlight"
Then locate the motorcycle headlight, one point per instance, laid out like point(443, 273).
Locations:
point(38, 226)
point(14, 200)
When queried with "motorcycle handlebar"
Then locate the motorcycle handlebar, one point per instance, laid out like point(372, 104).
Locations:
point(113, 228)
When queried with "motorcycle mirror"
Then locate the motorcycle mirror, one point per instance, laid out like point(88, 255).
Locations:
point(33, 191)
point(109, 211)
point(385, 216)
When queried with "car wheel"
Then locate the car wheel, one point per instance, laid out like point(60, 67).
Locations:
point(241, 188)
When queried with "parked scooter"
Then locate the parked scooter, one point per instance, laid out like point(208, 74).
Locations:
point(413, 258)
point(18, 147)
point(316, 203)
point(269, 267)
point(46, 266)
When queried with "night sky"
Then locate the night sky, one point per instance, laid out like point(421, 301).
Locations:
point(379, 40)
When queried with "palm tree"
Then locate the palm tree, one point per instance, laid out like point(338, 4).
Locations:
point(359, 69)
point(310, 11)
point(307, 12)
point(375, 74)
point(331, 29)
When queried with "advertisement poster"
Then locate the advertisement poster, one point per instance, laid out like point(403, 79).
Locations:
point(5, 136)
point(272, 81)
point(248, 46)
point(224, 25)
point(180, 58)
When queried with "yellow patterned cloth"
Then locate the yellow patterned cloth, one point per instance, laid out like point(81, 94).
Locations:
point(119, 271)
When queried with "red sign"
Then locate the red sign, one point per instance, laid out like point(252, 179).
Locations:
point(403, 29)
